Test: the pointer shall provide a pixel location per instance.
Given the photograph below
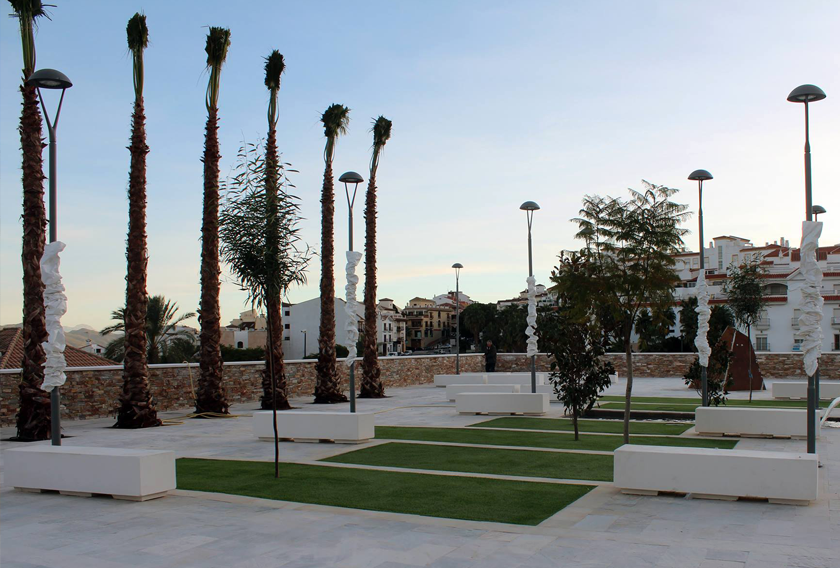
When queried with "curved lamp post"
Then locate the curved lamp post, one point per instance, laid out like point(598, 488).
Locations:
point(54, 80)
point(351, 178)
point(808, 94)
point(700, 176)
point(458, 266)
point(529, 207)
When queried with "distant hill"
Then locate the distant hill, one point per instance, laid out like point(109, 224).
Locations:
point(79, 336)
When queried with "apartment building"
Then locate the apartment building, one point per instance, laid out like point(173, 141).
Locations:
point(428, 324)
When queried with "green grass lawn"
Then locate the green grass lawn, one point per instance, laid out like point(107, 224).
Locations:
point(474, 499)
point(565, 425)
point(554, 465)
point(695, 402)
point(528, 439)
point(676, 407)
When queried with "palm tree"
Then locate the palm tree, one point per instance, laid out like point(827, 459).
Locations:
point(371, 386)
point(137, 407)
point(210, 395)
point(161, 321)
point(33, 419)
point(274, 376)
point(327, 385)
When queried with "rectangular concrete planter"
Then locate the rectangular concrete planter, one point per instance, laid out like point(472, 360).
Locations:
point(523, 379)
point(133, 475)
point(799, 389)
point(342, 427)
point(739, 421)
point(453, 390)
point(462, 379)
point(780, 477)
point(501, 403)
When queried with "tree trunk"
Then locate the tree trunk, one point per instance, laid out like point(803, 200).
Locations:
point(749, 363)
point(575, 422)
point(211, 395)
point(33, 418)
point(628, 357)
point(137, 407)
point(274, 359)
point(327, 385)
point(371, 386)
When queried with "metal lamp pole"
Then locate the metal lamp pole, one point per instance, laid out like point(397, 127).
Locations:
point(457, 266)
point(303, 331)
point(529, 207)
point(817, 210)
point(52, 79)
point(805, 94)
point(355, 179)
point(701, 176)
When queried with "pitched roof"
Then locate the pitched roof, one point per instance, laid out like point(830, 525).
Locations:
point(11, 352)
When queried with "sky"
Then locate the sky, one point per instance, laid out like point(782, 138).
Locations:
point(493, 104)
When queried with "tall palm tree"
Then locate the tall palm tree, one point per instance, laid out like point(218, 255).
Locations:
point(137, 407)
point(274, 376)
point(371, 373)
point(33, 419)
point(327, 386)
point(210, 395)
point(161, 321)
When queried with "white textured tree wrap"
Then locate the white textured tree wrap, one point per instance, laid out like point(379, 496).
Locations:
point(701, 342)
point(55, 304)
point(811, 308)
point(351, 307)
point(531, 330)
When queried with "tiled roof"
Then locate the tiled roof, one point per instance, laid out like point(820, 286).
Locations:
point(11, 352)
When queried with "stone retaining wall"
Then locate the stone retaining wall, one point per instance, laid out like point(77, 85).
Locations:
point(92, 392)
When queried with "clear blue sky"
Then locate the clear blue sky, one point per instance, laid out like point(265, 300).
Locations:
point(493, 103)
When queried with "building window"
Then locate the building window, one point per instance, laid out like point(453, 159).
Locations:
point(287, 339)
point(286, 326)
point(837, 341)
point(240, 345)
point(761, 344)
point(720, 259)
point(797, 344)
point(287, 313)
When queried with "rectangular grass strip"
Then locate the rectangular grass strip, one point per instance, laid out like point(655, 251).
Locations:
point(473, 499)
point(695, 402)
point(650, 406)
point(528, 439)
point(565, 425)
point(554, 465)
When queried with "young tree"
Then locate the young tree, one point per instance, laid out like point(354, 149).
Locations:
point(137, 407)
point(371, 386)
point(572, 337)
point(327, 385)
point(33, 418)
point(210, 397)
point(476, 317)
point(688, 322)
point(745, 293)
point(627, 257)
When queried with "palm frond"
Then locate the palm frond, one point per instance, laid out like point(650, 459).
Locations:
point(138, 39)
point(218, 42)
point(274, 67)
point(335, 119)
point(27, 12)
point(381, 134)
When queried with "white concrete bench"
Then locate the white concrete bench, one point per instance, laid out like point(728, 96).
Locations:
point(501, 403)
point(340, 427)
point(799, 389)
point(740, 421)
point(523, 379)
point(132, 475)
point(463, 379)
point(707, 473)
point(453, 390)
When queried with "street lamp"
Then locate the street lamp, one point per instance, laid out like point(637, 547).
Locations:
point(817, 210)
point(700, 176)
point(351, 178)
point(303, 331)
point(52, 79)
point(458, 266)
point(807, 94)
point(529, 207)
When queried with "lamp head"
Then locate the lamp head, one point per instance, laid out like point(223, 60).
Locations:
point(701, 175)
point(817, 210)
point(806, 94)
point(50, 79)
point(351, 177)
point(457, 265)
point(529, 206)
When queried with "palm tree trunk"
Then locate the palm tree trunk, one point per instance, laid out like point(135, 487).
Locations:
point(371, 386)
point(33, 418)
point(327, 385)
point(211, 395)
point(137, 407)
point(274, 359)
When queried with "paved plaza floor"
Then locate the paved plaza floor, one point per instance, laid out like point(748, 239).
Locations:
point(602, 529)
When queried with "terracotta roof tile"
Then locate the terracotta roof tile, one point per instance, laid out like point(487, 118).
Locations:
point(11, 352)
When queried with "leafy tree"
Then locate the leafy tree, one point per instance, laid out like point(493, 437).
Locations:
point(688, 322)
point(371, 386)
point(327, 385)
point(719, 379)
point(745, 294)
point(33, 418)
point(653, 329)
point(210, 394)
point(137, 407)
point(184, 349)
point(476, 318)
point(719, 319)
point(250, 354)
point(573, 339)
point(160, 328)
point(628, 264)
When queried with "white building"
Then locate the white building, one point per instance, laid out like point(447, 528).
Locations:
point(542, 296)
point(777, 330)
point(95, 348)
point(448, 299)
point(301, 323)
point(391, 328)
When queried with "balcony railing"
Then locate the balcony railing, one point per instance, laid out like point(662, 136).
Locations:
point(763, 323)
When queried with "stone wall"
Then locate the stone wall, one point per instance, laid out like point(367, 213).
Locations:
point(92, 392)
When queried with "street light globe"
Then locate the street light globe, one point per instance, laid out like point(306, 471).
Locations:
point(51, 79)
point(351, 177)
point(806, 94)
point(457, 265)
point(529, 206)
point(701, 175)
